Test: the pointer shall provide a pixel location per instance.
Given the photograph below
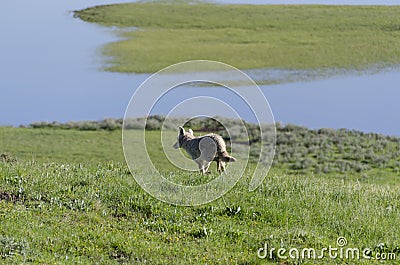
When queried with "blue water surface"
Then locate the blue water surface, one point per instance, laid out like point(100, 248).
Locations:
point(51, 71)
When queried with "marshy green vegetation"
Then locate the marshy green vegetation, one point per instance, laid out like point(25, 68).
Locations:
point(156, 35)
point(67, 197)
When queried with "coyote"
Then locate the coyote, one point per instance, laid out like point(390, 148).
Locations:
point(204, 149)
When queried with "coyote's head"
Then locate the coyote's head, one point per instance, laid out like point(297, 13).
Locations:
point(183, 136)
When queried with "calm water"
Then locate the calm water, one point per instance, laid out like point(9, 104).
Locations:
point(368, 103)
point(50, 72)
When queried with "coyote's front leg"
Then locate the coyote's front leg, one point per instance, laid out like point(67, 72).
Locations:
point(203, 166)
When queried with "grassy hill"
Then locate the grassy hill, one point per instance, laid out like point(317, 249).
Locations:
point(67, 197)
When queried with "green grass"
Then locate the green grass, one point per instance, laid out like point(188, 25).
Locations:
point(249, 36)
point(97, 214)
point(48, 145)
point(87, 209)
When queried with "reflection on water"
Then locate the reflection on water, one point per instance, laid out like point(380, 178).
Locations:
point(278, 76)
point(49, 71)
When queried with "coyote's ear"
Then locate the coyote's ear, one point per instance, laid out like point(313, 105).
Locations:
point(190, 132)
point(181, 130)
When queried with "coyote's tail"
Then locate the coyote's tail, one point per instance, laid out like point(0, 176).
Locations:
point(226, 157)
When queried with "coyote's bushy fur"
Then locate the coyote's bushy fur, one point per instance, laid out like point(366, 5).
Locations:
point(204, 149)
